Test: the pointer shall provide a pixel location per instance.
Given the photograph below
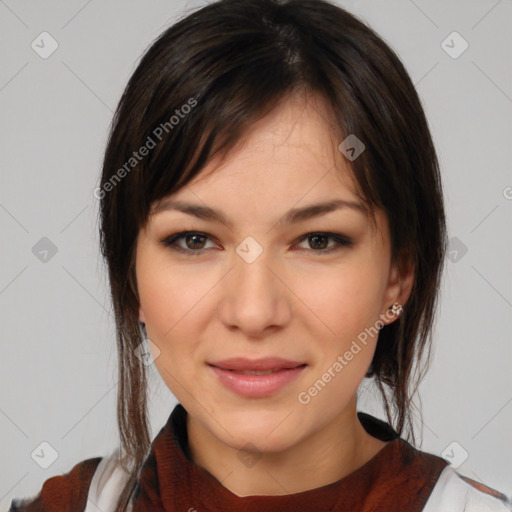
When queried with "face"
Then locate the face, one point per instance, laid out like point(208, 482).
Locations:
point(263, 283)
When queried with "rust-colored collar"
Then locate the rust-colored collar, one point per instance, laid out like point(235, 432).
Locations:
point(398, 477)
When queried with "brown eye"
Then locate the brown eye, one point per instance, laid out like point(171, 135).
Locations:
point(194, 243)
point(319, 242)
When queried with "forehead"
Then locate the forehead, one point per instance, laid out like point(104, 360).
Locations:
point(287, 158)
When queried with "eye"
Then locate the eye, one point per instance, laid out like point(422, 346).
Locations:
point(194, 242)
point(319, 242)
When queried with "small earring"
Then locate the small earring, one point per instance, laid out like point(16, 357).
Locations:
point(396, 309)
point(142, 326)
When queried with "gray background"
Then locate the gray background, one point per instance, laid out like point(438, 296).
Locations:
point(58, 359)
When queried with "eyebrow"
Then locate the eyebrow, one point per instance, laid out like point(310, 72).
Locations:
point(293, 216)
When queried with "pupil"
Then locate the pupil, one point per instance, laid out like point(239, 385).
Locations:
point(316, 237)
point(195, 237)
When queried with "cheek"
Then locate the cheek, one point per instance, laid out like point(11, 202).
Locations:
point(174, 301)
point(346, 298)
point(348, 304)
point(170, 302)
point(170, 295)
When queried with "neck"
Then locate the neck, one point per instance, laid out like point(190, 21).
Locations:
point(319, 459)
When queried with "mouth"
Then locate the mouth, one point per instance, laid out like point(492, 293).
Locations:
point(256, 378)
point(257, 372)
point(261, 366)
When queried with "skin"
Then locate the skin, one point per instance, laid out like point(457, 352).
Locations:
point(294, 301)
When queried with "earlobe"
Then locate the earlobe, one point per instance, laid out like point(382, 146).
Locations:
point(396, 309)
point(401, 280)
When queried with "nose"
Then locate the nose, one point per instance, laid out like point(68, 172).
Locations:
point(256, 299)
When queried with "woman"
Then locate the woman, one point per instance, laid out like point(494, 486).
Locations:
point(272, 220)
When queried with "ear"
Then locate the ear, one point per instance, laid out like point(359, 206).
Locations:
point(142, 317)
point(400, 283)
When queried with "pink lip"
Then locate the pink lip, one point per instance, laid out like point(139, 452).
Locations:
point(256, 386)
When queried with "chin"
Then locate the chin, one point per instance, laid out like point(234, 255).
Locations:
point(262, 434)
point(260, 443)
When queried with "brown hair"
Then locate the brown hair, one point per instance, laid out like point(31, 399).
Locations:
point(232, 62)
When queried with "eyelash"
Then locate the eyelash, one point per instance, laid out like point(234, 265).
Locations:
point(341, 241)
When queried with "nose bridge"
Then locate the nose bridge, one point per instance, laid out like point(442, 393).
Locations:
point(252, 273)
point(256, 298)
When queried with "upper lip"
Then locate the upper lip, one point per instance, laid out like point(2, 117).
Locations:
point(267, 363)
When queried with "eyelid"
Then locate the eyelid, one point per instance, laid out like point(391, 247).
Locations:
point(340, 239)
point(170, 241)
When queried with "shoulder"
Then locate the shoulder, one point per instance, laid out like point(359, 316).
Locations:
point(454, 492)
point(107, 483)
point(67, 492)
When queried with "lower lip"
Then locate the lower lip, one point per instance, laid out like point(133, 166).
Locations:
point(256, 386)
